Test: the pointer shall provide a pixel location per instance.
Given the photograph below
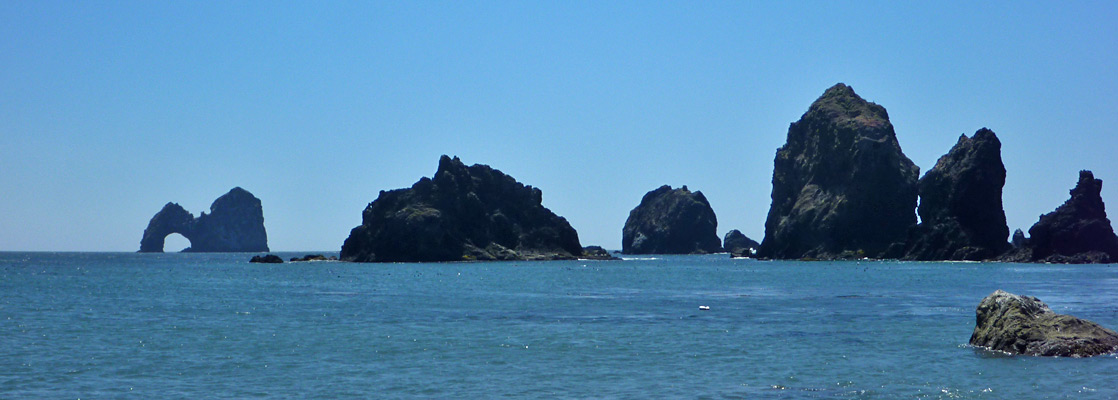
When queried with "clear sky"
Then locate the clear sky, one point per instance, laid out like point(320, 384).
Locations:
point(108, 110)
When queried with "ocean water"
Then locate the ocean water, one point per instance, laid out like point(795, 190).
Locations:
point(212, 326)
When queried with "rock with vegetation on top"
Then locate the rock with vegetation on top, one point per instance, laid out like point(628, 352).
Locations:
point(739, 245)
point(235, 224)
point(1025, 325)
point(842, 188)
point(961, 204)
point(463, 213)
point(267, 259)
point(671, 221)
point(1077, 232)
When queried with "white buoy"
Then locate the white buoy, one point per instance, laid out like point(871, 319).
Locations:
point(704, 308)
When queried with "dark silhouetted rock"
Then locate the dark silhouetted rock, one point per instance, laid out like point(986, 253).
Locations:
point(596, 253)
point(1077, 232)
point(961, 204)
point(1019, 240)
point(235, 224)
point(1025, 325)
point(310, 257)
point(842, 188)
point(267, 259)
point(671, 221)
point(462, 213)
point(739, 245)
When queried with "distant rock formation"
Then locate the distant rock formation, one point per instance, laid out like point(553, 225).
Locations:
point(1025, 325)
point(961, 204)
point(1019, 240)
point(461, 214)
point(267, 259)
point(1077, 232)
point(739, 245)
point(671, 221)
point(313, 257)
point(596, 253)
point(235, 224)
point(842, 188)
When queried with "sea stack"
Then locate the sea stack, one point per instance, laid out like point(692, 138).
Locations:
point(1077, 232)
point(461, 214)
point(671, 221)
point(235, 224)
point(961, 204)
point(739, 245)
point(842, 188)
point(1025, 325)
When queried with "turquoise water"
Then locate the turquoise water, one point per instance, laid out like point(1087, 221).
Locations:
point(122, 325)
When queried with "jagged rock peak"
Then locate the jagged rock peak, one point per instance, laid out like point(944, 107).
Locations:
point(842, 187)
point(235, 224)
point(462, 213)
point(671, 221)
point(1076, 232)
point(961, 204)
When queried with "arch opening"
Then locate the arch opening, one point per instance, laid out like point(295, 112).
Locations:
point(175, 242)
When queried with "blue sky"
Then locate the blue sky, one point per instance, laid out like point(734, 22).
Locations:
point(108, 110)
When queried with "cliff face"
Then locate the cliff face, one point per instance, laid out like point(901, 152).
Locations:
point(235, 224)
point(841, 185)
point(961, 204)
point(462, 213)
point(671, 221)
point(1076, 232)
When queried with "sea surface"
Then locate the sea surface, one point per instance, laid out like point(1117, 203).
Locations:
point(213, 326)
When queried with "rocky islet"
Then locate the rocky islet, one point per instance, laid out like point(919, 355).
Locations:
point(671, 221)
point(235, 224)
point(1024, 325)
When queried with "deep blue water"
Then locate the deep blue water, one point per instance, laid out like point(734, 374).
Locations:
point(123, 325)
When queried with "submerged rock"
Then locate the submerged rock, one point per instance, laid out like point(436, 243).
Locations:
point(738, 244)
point(235, 224)
point(961, 204)
point(671, 221)
point(312, 257)
point(1025, 325)
point(596, 253)
point(1077, 232)
point(841, 185)
point(461, 214)
point(267, 259)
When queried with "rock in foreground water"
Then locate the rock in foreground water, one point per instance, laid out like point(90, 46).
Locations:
point(267, 259)
point(1025, 325)
point(461, 214)
point(671, 221)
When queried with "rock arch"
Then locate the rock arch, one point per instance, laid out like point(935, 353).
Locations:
point(235, 224)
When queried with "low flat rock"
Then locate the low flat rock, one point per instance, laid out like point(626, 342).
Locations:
point(1025, 325)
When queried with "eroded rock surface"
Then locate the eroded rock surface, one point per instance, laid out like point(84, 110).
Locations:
point(1076, 232)
point(235, 224)
point(1025, 325)
point(842, 188)
point(961, 204)
point(461, 214)
point(671, 221)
